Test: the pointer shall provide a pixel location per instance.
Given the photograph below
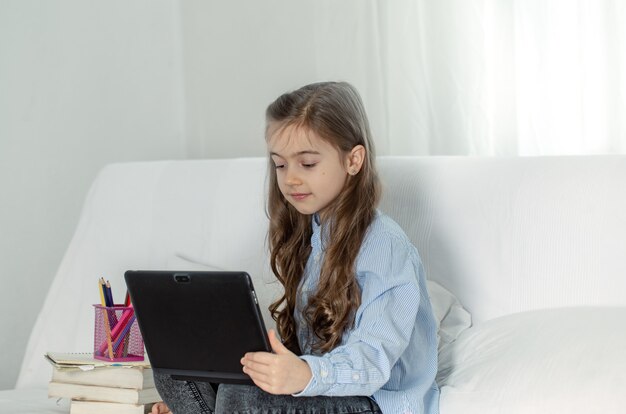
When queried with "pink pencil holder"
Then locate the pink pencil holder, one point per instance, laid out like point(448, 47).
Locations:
point(116, 334)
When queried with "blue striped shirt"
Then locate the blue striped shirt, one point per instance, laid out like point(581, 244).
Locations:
point(391, 353)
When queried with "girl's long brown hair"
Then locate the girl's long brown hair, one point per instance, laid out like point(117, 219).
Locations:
point(334, 111)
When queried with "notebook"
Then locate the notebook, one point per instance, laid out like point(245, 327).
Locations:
point(197, 325)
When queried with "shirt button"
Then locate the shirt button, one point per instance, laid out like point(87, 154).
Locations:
point(356, 377)
point(324, 373)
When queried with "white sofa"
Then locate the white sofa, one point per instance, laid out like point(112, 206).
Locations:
point(533, 248)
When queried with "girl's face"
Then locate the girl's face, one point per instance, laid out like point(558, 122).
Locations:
point(311, 173)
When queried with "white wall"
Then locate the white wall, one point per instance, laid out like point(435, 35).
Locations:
point(237, 60)
point(82, 84)
point(239, 55)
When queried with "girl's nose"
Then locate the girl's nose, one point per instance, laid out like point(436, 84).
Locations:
point(292, 178)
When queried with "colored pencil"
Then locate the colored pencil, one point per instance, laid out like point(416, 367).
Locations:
point(107, 326)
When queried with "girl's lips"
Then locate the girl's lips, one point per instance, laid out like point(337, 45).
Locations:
point(299, 196)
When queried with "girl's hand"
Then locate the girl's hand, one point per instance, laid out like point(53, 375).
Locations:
point(279, 373)
point(160, 408)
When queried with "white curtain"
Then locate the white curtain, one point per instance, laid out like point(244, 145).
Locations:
point(482, 77)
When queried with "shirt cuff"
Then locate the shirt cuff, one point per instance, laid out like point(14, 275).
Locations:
point(322, 378)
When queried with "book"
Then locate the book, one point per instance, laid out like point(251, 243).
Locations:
point(104, 394)
point(138, 378)
point(86, 361)
point(98, 407)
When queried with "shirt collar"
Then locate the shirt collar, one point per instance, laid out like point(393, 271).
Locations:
point(320, 232)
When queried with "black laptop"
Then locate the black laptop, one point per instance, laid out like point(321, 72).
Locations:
point(197, 325)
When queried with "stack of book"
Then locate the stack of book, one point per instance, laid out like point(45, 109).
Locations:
point(99, 387)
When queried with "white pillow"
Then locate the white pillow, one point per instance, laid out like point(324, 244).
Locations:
point(570, 360)
point(451, 317)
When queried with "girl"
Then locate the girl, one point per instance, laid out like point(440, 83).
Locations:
point(357, 334)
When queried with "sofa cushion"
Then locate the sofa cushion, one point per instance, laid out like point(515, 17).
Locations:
point(568, 360)
point(30, 401)
point(506, 234)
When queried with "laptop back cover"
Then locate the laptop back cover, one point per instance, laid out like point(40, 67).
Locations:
point(198, 325)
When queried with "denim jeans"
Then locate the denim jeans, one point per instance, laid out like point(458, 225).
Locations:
point(189, 397)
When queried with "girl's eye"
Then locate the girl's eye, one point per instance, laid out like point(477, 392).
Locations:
point(279, 166)
point(309, 165)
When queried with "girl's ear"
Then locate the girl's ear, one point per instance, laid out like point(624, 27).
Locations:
point(355, 160)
